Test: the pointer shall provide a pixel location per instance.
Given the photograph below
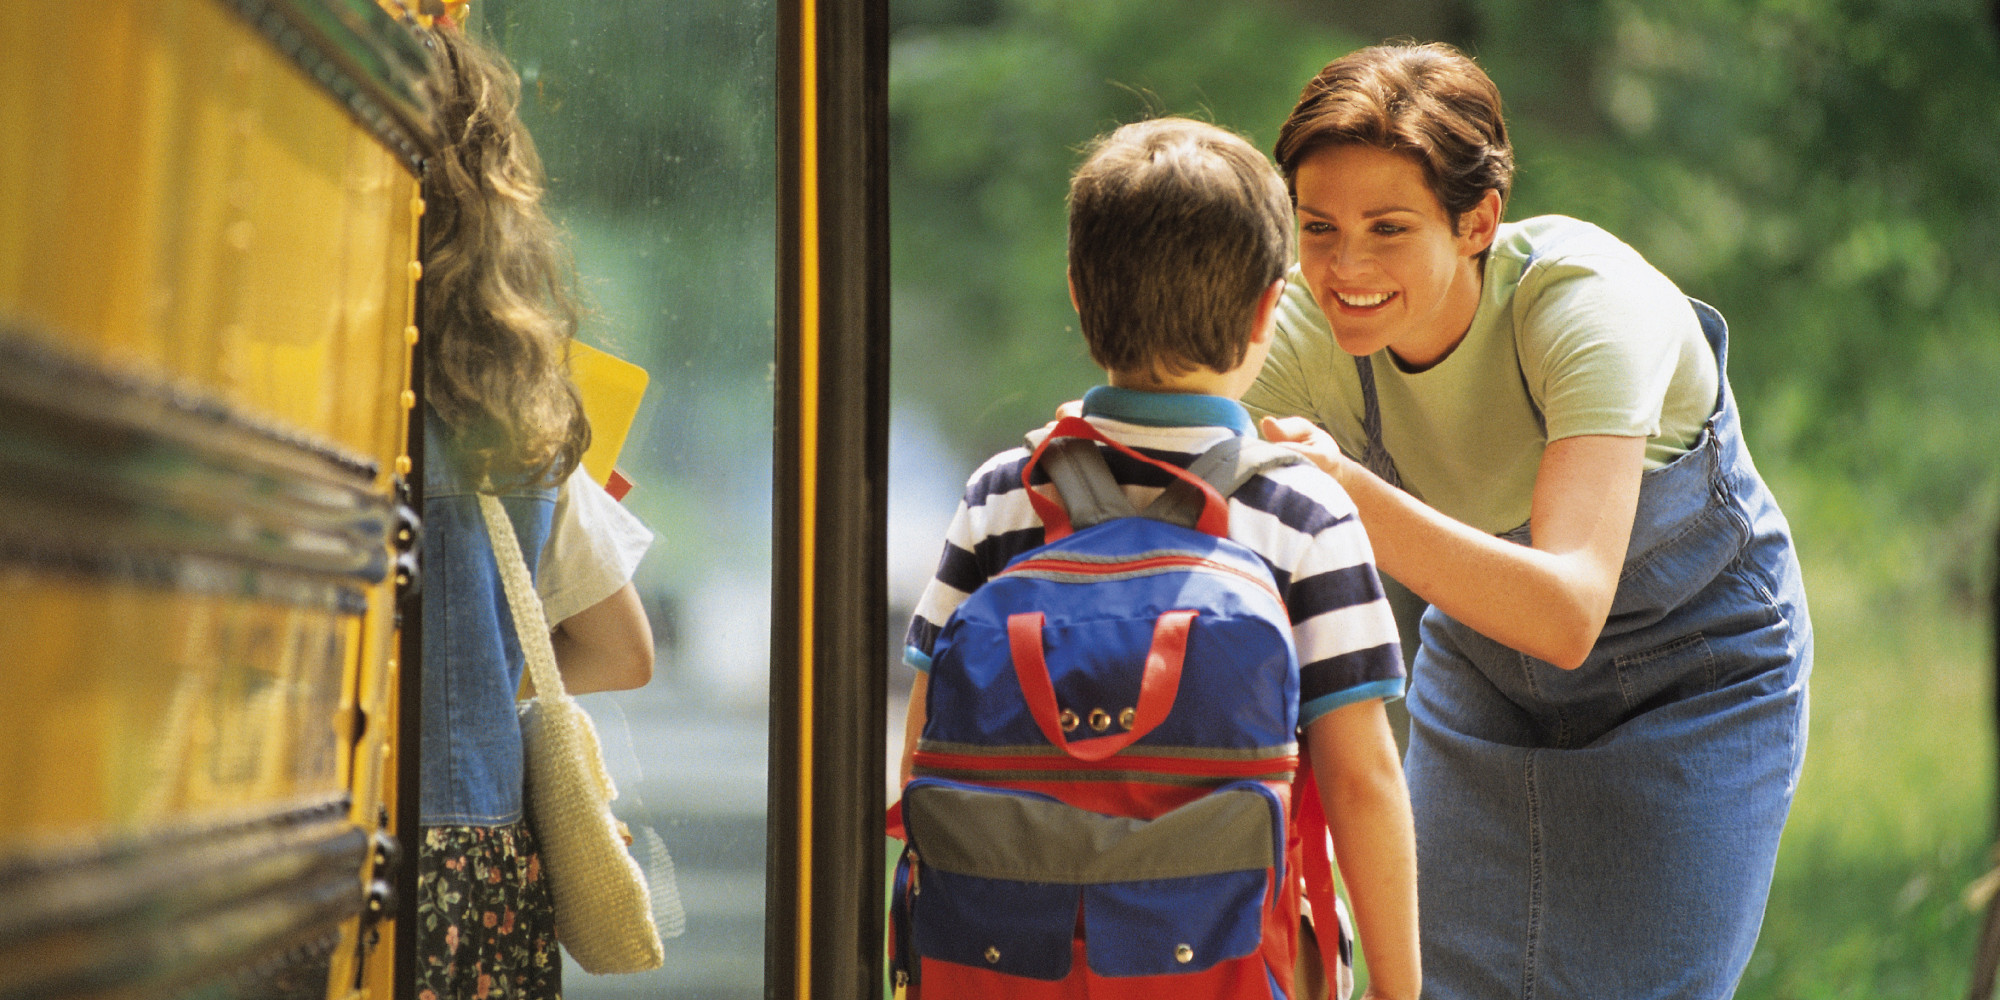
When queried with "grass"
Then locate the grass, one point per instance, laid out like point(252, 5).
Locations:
point(1894, 817)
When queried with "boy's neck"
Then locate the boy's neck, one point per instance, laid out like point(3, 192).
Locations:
point(1199, 382)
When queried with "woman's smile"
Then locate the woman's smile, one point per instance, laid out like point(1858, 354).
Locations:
point(1363, 300)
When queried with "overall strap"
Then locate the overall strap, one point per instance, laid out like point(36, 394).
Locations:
point(1376, 456)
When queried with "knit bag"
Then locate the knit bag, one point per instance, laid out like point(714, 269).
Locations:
point(604, 913)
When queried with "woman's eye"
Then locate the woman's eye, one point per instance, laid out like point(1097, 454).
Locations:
point(1390, 228)
point(1316, 228)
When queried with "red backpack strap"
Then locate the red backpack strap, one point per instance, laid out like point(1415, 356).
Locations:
point(892, 821)
point(1316, 865)
point(1214, 518)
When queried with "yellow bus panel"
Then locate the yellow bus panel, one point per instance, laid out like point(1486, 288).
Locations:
point(207, 284)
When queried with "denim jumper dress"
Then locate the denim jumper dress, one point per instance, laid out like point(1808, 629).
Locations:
point(1609, 833)
point(470, 771)
point(486, 916)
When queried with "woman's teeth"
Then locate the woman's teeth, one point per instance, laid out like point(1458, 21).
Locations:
point(1363, 301)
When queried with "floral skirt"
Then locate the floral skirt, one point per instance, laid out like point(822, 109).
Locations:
point(486, 926)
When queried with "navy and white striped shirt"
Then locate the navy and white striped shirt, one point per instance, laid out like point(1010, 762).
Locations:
point(1295, 517)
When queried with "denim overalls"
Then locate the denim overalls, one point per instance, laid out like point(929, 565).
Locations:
point(1609, 833)
point(471, 745)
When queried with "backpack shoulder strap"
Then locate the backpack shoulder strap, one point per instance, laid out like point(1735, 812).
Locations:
point(1084, 481)
point(1227, 466)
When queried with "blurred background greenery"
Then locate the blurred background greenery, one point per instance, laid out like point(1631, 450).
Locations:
point(1822, 171)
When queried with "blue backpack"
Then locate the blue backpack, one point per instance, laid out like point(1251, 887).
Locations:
point(1101, 800)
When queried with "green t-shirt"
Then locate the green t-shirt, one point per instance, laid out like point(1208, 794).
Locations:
point(1575, 332)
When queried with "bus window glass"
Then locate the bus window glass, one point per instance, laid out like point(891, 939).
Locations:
point(655, 124)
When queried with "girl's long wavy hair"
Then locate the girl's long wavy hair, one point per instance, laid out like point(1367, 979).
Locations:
point(499, 309)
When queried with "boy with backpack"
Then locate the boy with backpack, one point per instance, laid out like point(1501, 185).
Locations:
point(1138, 630)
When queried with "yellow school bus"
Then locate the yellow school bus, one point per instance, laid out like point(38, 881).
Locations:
point(208, 267)
point(209, 218)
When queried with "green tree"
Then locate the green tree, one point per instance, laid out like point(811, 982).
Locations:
point(1823, 173)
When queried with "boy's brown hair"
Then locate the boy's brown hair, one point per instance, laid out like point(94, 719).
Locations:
point(1175, 228)
point(1429, 102)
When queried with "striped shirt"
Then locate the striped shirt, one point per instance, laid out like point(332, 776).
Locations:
point(1295, 518)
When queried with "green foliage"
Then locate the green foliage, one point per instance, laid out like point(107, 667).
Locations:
point(1823, 173)
point(1893, 814)
point(656, 125)
point(631, 106)
point(661, 161)
point(990, 105)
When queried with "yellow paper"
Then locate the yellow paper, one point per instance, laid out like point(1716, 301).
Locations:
point(611, 388)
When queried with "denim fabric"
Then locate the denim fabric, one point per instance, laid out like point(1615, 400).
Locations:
point(1611, 831)
point(472, 662)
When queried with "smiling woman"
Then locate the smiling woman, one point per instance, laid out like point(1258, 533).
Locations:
point(1608, 702)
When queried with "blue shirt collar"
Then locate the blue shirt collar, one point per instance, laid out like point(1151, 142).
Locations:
point(1166, 409)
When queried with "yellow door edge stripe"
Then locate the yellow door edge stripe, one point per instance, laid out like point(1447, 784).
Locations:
point(808, 462)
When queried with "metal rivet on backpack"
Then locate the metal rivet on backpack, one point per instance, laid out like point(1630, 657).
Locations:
point(1126, 718)
point(1100, 720)
point(992, 955)
point(1184, 954)
point(1068, 721)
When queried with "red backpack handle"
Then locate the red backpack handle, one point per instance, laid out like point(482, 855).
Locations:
point(1158, 686)
point(1214, 519)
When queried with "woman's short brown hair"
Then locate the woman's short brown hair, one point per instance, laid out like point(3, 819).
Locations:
point(1429, 102)
point(1175, 228)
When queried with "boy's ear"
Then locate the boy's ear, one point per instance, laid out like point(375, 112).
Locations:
point(1266, 315)
point(1070, 280)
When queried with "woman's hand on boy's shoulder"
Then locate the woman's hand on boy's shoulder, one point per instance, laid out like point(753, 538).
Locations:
point(1311, 440)
point(1073, 408)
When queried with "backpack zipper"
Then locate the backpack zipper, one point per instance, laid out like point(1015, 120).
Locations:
point(1046, 566)
point(1160, 764)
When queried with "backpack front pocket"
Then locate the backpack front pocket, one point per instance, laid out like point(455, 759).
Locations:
point(1006, 879)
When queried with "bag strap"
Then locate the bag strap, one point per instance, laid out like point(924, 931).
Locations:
point(1316, 861)
point(531, 628)
point(1225, 468)
point(1159, 685)
point(1089, 492)
point(1213, 511)
point(904, 967)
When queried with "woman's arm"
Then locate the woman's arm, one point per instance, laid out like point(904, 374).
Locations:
point(607, 646)
point(1549, 601)
point(1367, 806)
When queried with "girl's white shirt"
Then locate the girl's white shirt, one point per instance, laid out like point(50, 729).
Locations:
point(594, 547)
